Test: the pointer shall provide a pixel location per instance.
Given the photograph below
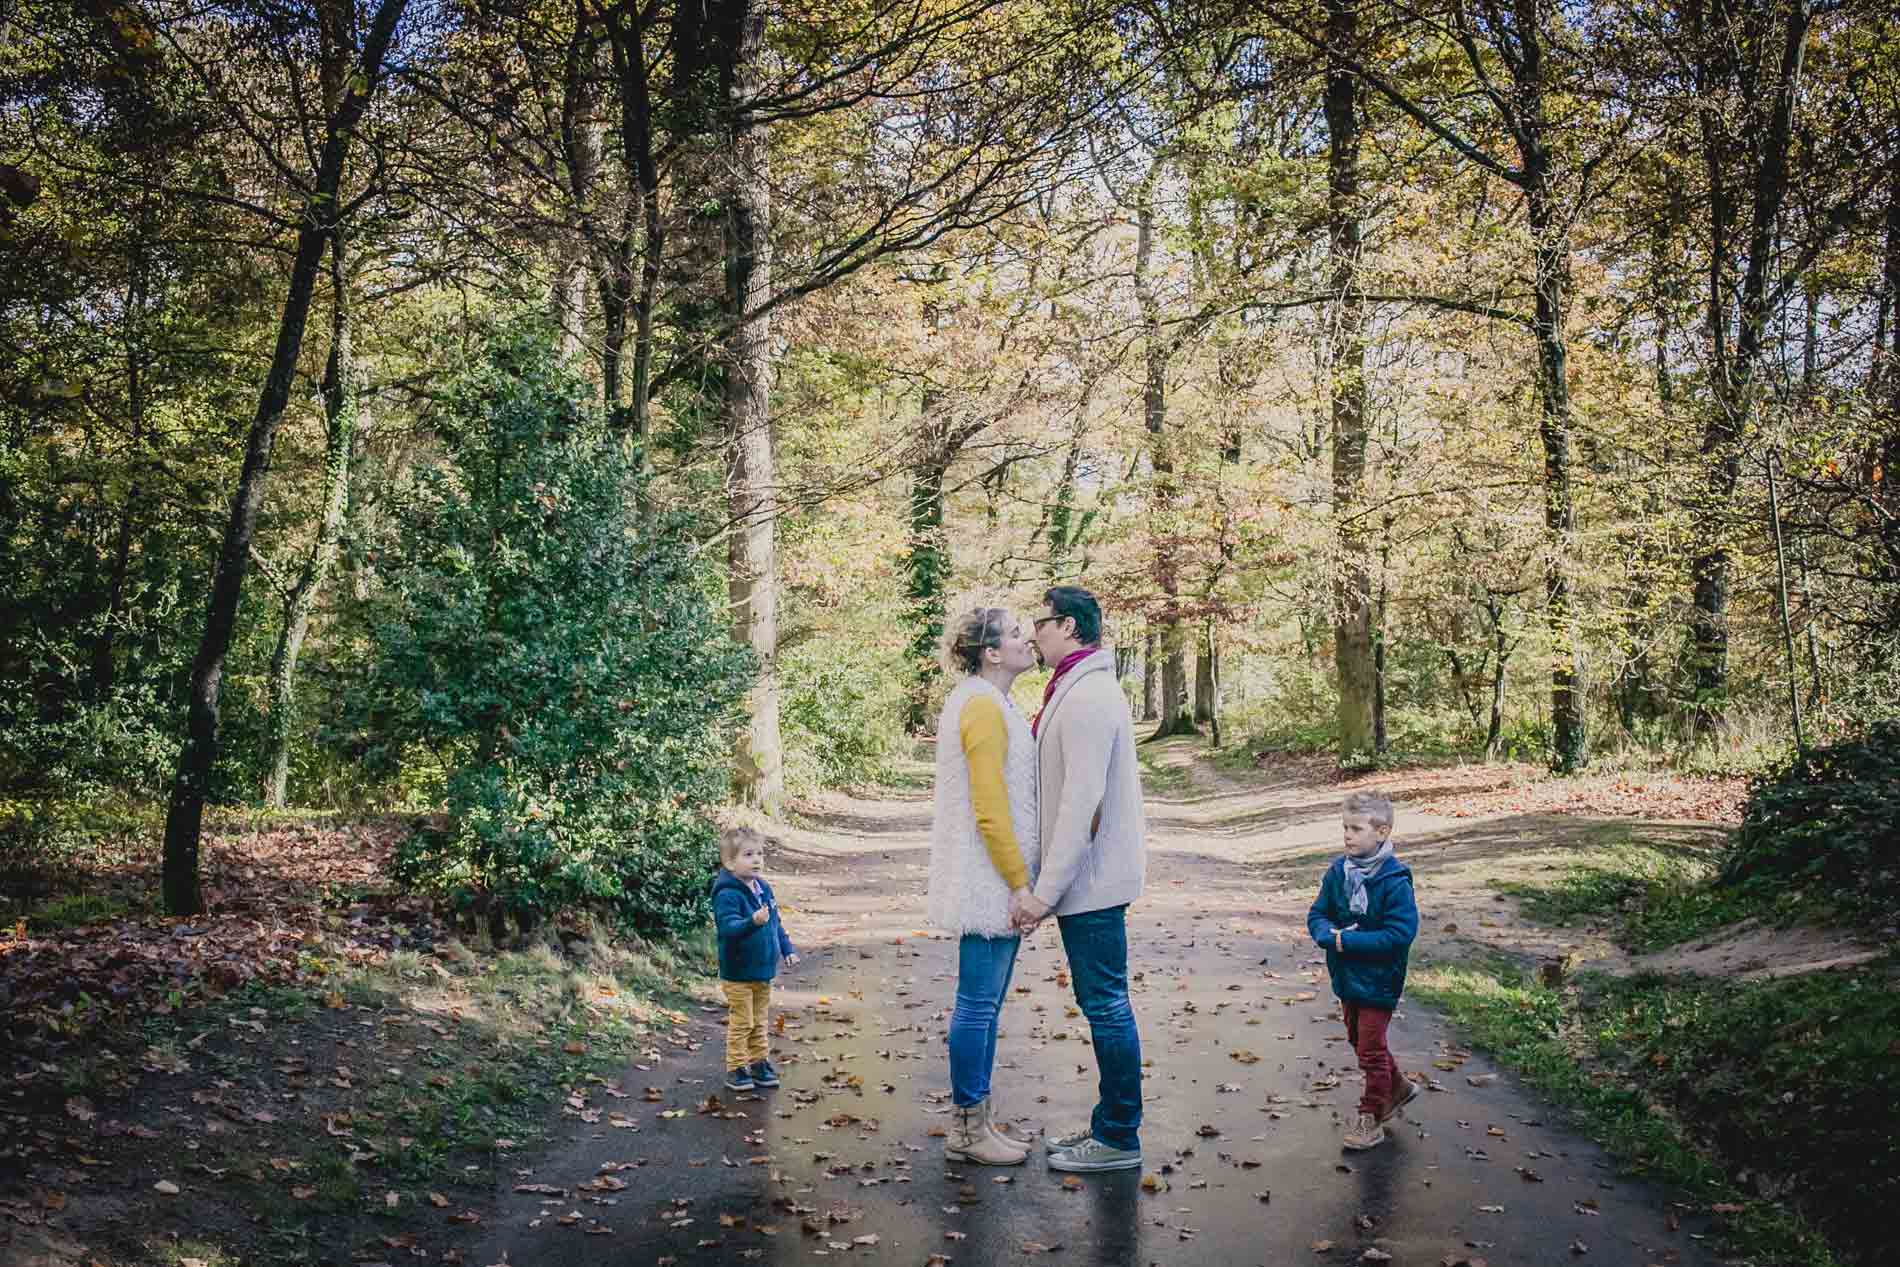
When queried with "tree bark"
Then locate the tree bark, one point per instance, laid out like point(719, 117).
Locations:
point(1346, 359)
point(927, 562)
point(580, 139)
point(340, 403)
point(1150, 678)
point(751, 488)
point(627, 37)
point(1501, 648)
point(1569, 739)
point(105, 649)
point(1177, 714)
point(184, 818)
point(1887, 377)
point(1204, 702)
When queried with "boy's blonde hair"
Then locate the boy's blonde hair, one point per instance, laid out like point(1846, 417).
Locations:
point(733, 839)
point(1374, 805)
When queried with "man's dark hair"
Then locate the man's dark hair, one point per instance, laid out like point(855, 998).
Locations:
point(1080, 606)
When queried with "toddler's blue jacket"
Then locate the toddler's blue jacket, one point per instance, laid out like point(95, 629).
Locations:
point(1372, 968)
point(747, 951)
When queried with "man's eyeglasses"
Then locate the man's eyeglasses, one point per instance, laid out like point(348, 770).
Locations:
point(1040, 621)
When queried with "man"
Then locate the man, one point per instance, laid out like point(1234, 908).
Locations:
point(1094, 860)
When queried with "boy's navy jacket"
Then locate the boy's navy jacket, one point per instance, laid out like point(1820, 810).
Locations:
point(747, 951)
point(1372, 968)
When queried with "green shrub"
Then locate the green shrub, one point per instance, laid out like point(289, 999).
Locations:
point(1298, 713)
point(842, 716)
point(562, 657)
point(1830, 818)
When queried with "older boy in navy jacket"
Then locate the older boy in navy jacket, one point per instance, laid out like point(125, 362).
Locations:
point(1365, 918)
point(751, 943)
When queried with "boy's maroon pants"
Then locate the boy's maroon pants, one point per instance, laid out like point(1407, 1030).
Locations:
point(1365, 1030)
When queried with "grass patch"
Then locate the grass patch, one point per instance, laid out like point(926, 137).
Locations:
point(1756, 1095)
point(78, 909)
point(1159, 778)
point(1651, 895)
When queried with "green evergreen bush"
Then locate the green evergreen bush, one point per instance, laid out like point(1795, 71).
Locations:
point(1828, 818)
point(560, 654)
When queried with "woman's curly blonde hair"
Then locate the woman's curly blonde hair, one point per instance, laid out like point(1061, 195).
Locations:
point(965, 638)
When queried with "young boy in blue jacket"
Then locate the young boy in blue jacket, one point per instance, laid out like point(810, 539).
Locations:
point(1365, 918)
point(752, 941)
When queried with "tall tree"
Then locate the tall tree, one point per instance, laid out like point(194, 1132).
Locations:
point(299, 592)
point(1749, 58)
point(1346, 365)
point(364, 52)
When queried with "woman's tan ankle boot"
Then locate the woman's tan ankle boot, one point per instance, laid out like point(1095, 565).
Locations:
point(995, 1128)
point(971, 1140)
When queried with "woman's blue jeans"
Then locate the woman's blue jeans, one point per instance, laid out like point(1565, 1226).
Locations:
point(984, 967)
point(1097, 946)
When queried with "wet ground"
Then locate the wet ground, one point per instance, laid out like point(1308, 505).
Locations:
point(1247, 1085)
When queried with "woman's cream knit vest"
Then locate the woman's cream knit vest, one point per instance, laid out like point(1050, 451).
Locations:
point(967, 895)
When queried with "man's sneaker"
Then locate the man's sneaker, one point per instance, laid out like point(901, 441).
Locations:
point(763, 1074)
point(740, 1079)
point(1092, 1155)
point(1364, 1133)
point(1061, 1143)
point(1402, 1094)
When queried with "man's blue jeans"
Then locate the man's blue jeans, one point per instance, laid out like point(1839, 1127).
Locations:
point(1097, 945)
point(984, 967)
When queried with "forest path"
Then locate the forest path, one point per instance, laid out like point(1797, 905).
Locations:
point(1247, 1083)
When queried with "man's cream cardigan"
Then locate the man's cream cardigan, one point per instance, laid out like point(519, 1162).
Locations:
point(1092, 826)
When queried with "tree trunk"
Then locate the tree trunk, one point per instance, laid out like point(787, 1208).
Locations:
point(1177, 714)
point(1569, 740)
point(626, 32)
point(105, 657)
point(1204, 703)
point(1734, 378)
point(1150, 678)
point(340, 402)
point(184, 817)
point(1346, 357)
point(751, 486)
point(1494, 734)
point(580, 139)
point(1378, 673)
point(928, 566)
point(1887, 377)
point(1550, 236)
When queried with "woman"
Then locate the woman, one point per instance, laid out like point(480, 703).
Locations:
point(983, 853)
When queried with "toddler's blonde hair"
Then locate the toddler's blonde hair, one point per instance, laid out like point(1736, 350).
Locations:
point(733, 839)
point(1374, 805)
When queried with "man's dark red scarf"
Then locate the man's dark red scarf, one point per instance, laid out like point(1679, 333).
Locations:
point(1048, 692)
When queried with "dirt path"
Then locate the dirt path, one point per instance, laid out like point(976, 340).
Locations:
point(1246, 1084)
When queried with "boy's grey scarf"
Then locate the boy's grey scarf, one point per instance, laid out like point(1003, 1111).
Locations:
point(1358, 871)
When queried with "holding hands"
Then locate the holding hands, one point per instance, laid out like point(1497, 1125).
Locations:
point(1026, 910)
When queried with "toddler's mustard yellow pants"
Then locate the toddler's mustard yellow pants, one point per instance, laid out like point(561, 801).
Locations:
point(747, 1003)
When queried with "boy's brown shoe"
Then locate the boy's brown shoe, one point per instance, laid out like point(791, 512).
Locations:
point(1364, 1133)
point(1403, 1093)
